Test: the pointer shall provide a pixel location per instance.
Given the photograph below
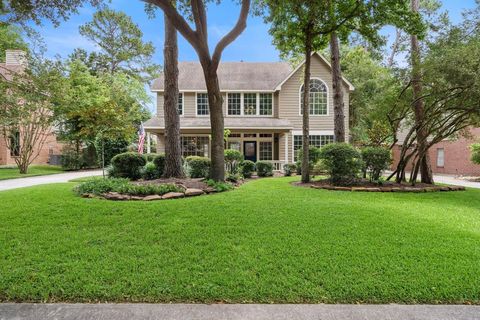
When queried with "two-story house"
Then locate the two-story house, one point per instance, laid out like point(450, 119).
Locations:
point(262, 108)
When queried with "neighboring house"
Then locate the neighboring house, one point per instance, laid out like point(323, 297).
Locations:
point(450, 156)
point(51, 150)
point(262, 108)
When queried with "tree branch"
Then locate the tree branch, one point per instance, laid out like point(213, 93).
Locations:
point(232, 35)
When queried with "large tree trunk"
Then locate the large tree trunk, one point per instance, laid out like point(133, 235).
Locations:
point(306, 111)
point(419, 107)
point(338, 105)
point(215, 102)
point(173, 153)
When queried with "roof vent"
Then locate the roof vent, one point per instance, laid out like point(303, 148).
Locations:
point(15, 57)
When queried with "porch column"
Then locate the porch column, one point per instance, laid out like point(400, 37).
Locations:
point(149, 142)
point(286, 147)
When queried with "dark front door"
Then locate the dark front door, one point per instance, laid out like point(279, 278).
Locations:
point(250, 150)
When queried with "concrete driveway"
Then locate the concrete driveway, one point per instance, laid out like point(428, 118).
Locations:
point(53, 178)
point(28, 311)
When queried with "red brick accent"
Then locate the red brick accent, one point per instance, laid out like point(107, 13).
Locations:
point(457, 156)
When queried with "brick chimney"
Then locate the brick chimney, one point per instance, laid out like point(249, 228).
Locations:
point(15, 57)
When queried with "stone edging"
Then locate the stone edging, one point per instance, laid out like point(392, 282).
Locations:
point(189, 192)
point(391, 189)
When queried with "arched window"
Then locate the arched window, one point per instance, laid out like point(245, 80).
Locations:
point(318, 98)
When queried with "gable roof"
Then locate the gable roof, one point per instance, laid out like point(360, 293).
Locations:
point(261, 76)
point(238, 76)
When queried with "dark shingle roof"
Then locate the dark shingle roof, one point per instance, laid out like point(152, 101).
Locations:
point(232, 76)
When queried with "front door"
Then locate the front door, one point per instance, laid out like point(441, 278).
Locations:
point(250, 150)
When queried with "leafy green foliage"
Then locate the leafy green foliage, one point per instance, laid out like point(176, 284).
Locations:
point(289, 169)
point(159, 161)
point(219, 186)
point(150, 171)
point(10, 38)
point(121, 46)
point(375, 161)
point(247, 168)
point(475, 149)
point(232, 160)
point(313, 155)
point(264, 168)
point(342, 161)
point(128, 165)
point(108, 148)
point(197, 167)
point(99, 186)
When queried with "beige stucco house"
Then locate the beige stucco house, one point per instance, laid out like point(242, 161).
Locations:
point(261, 107)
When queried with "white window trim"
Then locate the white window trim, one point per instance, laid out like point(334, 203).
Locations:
point(310, 133)
point(196, 106)
point(300, 100)
point(242, 105)
point(183, 104)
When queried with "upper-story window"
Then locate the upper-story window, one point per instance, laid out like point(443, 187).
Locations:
point(318, 98)
point(266, 104)
point(250, 104)
point(234, 103)
point(202, 104)
point(180, 103)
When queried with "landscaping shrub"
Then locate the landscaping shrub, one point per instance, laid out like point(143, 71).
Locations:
point(247, 168)
point(475, 149)
point(298, 164)
point(101, 186)
point(219, 186)
point(319, 168)
point(264, 168)
point(150, 156)
point(197, 167)
point(342, 162)
point(375, 161)
point(150, 171)
point(289, 169)
point(233, 177)
point(159, 161)
point(128, 165)
point(313, 157)
point(232, 160)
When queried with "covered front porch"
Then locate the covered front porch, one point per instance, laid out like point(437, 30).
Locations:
point(258, 139)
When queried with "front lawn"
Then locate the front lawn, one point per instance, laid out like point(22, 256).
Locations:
point(12, 172)
point(267, 241)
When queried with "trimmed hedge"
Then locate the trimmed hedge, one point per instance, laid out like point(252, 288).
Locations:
point(342, 162)
point(150, 171)
point(159, 161)
point(197, 167)
point(247, 168)
point(128, 165)
point(264, 168)
point(289, 169)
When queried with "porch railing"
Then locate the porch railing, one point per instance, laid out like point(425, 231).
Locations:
point(277, 165)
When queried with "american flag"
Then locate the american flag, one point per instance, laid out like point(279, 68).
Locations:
point(141, 138)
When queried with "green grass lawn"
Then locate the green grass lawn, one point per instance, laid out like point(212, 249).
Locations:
point(267, 241)
point(11, 172)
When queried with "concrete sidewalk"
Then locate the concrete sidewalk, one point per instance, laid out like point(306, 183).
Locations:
point(53, 178)
point(26, 311)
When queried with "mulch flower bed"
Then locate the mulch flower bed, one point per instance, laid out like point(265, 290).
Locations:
point(367, 186)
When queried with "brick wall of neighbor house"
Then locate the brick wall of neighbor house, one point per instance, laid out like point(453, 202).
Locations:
point(456, 156)
point(51, 146)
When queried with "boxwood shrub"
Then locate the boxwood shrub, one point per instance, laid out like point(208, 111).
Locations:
point(150, 171)
point(264, 168)
point(197, 167)
point(289, 169)
point(375, 161)
point(247, 168)
point(128, 165)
